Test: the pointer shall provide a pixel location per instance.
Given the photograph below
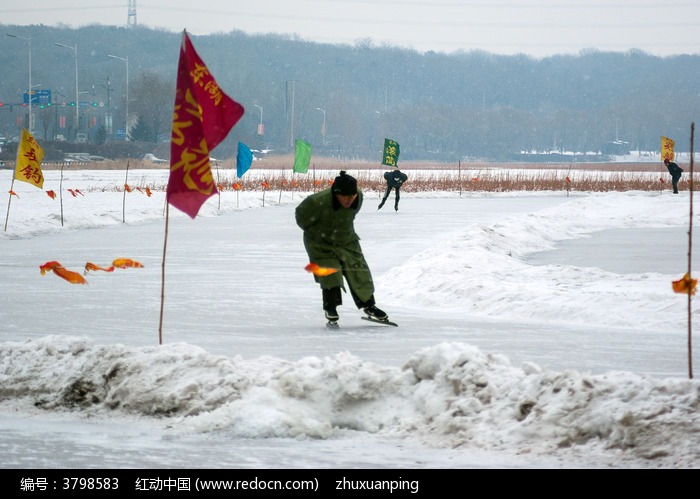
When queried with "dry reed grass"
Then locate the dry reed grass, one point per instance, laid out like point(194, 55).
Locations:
point(480, 184)
point(275, 174)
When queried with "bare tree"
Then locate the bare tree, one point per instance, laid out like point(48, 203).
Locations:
point(153, 96)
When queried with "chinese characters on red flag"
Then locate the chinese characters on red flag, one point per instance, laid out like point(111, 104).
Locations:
point(202, 118)
point(29, 158)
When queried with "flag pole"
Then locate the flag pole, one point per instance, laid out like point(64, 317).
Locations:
point(12, 186)
point(60, 193)
point(459, 176)
point(690, 253)
point(126, 182)
point(218, 182)
point(162, 273)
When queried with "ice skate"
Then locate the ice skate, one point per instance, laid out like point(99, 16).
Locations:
point(332, 318)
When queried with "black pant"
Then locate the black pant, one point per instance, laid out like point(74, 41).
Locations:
point(674, 181)
point(386, 196)
point(332, 298)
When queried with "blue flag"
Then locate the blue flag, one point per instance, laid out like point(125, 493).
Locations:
point(244, 158)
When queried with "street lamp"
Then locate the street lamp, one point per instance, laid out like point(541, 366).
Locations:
point(77, 103)
point(261, 127)
point(323, 127)
point(29, 87)
point(126, 116)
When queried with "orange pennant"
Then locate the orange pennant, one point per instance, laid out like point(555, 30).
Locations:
point(685, 285)
point(123, 263)
point(68, 275)
point(148, 192)
point(91, 266)
point(127, 188)
point(51, 194)
point(49, 266)
point(13, 193)
point(320, 271)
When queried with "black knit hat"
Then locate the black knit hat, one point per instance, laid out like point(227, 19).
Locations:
point(344, 185)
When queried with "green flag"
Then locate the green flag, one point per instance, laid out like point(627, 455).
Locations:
point(391, 153)
point(302, 156)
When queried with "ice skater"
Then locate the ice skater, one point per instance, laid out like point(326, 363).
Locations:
point(327, 219)
point(394, 180)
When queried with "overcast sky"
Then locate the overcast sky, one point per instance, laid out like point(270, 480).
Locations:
point(535, 27)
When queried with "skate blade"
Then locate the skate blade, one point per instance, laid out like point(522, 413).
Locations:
point(385, 322)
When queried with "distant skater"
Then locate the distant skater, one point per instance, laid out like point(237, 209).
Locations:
point(675, 172)
point(394, 180)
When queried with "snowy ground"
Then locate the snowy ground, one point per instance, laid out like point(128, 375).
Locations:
point(536, 330)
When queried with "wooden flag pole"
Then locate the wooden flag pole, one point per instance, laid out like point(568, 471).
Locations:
point(162, 273)
point(12, 184)
point(9, 201)
point(60, 193)
point(690, 253)
point(218, 183)
point(459, 176)
point(126, 182)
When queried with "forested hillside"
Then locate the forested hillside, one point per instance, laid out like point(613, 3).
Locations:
point(437, 106)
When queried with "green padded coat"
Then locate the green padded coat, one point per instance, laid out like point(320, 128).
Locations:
point(331, 241)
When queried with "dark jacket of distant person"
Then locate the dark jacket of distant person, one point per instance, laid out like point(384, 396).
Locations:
point(394, 180)
point(675, 172)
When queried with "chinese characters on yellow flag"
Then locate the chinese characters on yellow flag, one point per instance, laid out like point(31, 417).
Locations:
point(667, 146)
point(29, 158)
point(202, 118)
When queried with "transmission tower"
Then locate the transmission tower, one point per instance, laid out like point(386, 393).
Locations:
point(131, 20)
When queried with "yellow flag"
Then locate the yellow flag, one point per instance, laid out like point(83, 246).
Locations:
point(667, 146)
point(29, 158)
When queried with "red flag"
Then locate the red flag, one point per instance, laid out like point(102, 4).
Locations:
point(202, 118)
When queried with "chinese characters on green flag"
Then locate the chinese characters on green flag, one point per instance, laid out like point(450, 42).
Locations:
point(391, 153)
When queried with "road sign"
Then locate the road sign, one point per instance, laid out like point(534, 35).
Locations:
point(38, 96)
